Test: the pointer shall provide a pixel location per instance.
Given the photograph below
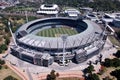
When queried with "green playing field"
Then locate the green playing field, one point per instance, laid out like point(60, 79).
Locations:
point(57, 32)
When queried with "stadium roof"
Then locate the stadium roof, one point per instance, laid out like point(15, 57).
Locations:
point(72, 12)
point(49, 7)
point(82, 38)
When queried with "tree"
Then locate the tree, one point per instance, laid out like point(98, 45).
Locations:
point(48, 77)
point(118, 34)
point(0, 50)
point(52, 75)
point(116, 73)
point(107, 62)
point(117, 54)
point(7, 41)
point(10, 78)
point(3, 47)
point(2, 62)
point(112, 62)
point(107, 78)
point(116, 62)
point(99, 5)
point(89, 69)
point(14, 29)
point(6, 29)
point(93, 77)
point(0, 67)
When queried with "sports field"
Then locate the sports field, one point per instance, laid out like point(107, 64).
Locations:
point(57, 32)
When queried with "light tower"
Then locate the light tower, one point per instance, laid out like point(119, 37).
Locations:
point(9, 26)
point(106, 25)
point(64, 38)
point(26, 15)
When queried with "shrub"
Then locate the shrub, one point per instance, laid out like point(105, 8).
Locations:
point(89, 69)
point(2, 62)
point(3, 47)
point(112, 62)
point(117, 54)
point(5, 66)
point(116, 73)
point(52, 75)
point(0, 67)
point(10, 78)
point(93, 77)
point(7, 41)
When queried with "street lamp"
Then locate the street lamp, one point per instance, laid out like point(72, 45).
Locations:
point(64, 38)
point(26, 16)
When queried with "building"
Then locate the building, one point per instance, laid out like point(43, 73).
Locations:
point(44, 51)
point(107, 18)
point(116, 20)
point(72, 12)
point(92, 17)
point(86, 10)
point(50, 9)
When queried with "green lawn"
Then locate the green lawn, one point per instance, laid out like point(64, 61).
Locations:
point(114, 40)
point(57, 32)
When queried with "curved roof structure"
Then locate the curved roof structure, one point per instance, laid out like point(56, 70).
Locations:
point(48, 9)
point(90, 32)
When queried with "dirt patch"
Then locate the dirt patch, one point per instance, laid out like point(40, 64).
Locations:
point(6, 72)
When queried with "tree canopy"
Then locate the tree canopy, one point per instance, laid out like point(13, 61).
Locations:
point(117, 54)
point(10, 78)
point(93, 77)
point(112, 62)
point(116, 73)
point(103, 5)
point(2, 62)
point(89, 69)
point(52, 75)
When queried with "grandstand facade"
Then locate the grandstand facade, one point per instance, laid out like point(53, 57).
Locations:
point(51, 9)
point(44, 51)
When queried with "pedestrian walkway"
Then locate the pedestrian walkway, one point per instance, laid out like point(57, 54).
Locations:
point(78, 74)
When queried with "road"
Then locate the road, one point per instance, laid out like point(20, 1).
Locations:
point(29, 74)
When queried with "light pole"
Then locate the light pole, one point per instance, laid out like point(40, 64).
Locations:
point(64, 37)
point(26, 15)
point(9, 26)
point(105, 27)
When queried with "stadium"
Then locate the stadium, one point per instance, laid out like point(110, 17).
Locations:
point(44, 41)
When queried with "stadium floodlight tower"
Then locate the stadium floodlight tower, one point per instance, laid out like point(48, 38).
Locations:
point(26, 15)
point(9, 26)
point(64, 38)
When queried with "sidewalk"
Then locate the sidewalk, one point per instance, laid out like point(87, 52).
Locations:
point(43, 76)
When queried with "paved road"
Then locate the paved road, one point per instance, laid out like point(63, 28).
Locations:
point(29, 74)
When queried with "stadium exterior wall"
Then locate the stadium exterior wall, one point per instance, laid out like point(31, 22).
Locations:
point(89, 46)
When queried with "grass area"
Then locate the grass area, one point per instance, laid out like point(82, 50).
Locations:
point(107, 73)
point(57, 32)
point(6, 72)
point(114, 40)
point(74, 78)
point(20, 8)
